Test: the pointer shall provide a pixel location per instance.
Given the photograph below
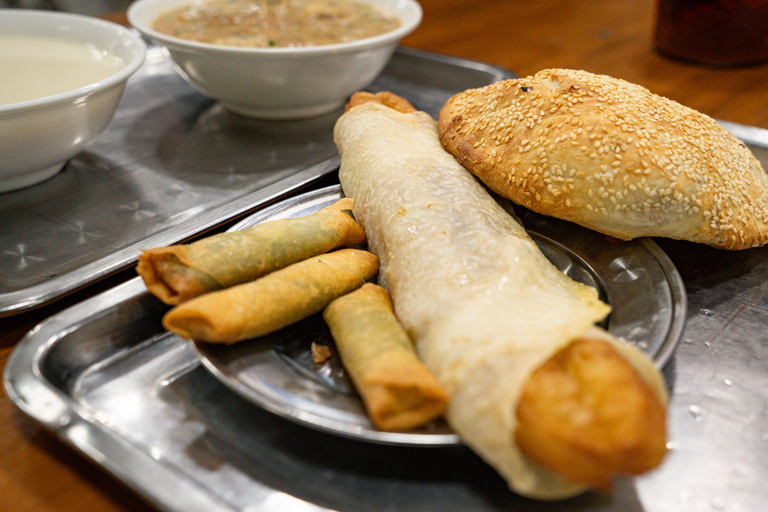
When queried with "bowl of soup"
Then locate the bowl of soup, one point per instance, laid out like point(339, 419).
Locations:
point(61, 78)
point(277, 59)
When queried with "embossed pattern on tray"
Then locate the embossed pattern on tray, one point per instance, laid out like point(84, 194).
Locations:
point(174, 164)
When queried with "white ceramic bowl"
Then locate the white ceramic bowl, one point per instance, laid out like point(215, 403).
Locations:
point(38, 136)
point(278, 83)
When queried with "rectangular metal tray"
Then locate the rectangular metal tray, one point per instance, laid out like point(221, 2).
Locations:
point(174, 164)
point(108, 380)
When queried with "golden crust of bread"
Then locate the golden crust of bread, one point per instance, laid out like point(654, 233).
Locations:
point(611, 156)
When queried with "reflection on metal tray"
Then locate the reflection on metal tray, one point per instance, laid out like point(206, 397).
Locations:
point(173, 164)
point(106, 379)
point(277, 372)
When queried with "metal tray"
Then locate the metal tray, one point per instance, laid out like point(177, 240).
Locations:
point(174, 164)
point(277, 371)
point(105, 379)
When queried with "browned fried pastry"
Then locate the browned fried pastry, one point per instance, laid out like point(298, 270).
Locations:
point(320, 353)
point(274, 301)
point(178, 273)
point(586, 414)
point(385, 98)
point(398, 391)
point(611, 156)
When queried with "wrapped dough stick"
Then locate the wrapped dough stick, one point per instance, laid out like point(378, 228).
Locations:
point(177, 273)
point(273, 301)
point(532, 382)
point(398, 391)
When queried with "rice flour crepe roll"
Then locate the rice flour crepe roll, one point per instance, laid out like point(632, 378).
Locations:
point(398, 391)
point(178, 273)
point(274, 301)
point(483, 305)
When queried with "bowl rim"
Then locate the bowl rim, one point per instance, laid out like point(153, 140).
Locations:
point(130, 67)
point(406, 27)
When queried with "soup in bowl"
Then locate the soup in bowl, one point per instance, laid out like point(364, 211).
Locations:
point(62, 78)
point(278, 59)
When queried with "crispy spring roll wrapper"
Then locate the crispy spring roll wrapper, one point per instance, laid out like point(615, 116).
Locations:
point(484, 306)
point(398, 391)
point(178, 273)
point(274, 301)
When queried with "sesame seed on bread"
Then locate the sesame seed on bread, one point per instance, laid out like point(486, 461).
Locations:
point(611, 156)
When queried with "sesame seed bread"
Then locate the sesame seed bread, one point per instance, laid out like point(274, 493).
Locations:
point(611, 156)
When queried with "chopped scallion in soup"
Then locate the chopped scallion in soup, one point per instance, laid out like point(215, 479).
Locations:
point(278, 23)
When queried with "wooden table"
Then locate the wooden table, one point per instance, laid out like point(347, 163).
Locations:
point(612, 37)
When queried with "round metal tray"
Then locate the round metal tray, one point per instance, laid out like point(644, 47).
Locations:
point(277, 372)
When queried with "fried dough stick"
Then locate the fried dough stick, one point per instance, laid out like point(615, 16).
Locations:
point(180, 272)
point(273, 301)
point(587, 414)
point(398, 391)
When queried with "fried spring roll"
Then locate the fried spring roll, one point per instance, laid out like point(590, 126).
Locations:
point(398, 391)
point(178, 273)
point(273, 301)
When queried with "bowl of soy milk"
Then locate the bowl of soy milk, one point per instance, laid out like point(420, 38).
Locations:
point(62, 78)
